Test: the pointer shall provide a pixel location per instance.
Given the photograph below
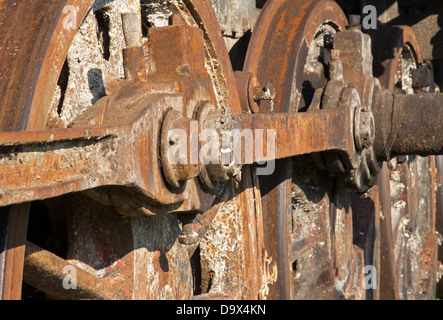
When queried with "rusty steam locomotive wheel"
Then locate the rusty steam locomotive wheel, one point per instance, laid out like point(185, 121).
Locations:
point(74, 59)
point(307, 214)
point(306, 230)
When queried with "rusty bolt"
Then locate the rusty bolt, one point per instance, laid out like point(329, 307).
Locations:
point(367, 129)
point(264, 93)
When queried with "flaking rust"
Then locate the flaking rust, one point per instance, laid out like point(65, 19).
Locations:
point(136, 230)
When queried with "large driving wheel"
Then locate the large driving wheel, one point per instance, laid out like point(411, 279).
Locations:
point(407, 184)
point(64, 59)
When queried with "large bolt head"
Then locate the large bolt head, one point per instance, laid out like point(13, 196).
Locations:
point(364, 129)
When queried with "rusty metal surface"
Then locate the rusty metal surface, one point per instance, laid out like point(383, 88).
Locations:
point(416, 124)
point(16, 89)
point(195, 13)
point(45, 270)
point(130, 101)
point(236, 17)
point(22, 68)
point(280, 60)
point(407, 124)
point(210, 220)
point(408, 253)
point(13, 222)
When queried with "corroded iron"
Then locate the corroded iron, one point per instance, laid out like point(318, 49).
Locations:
point(308, 83)
point(121, 253)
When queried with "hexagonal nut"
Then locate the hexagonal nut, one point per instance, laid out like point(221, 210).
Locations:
point(364, 129)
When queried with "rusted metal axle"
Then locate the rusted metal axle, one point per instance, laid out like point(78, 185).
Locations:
point(408, 124)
